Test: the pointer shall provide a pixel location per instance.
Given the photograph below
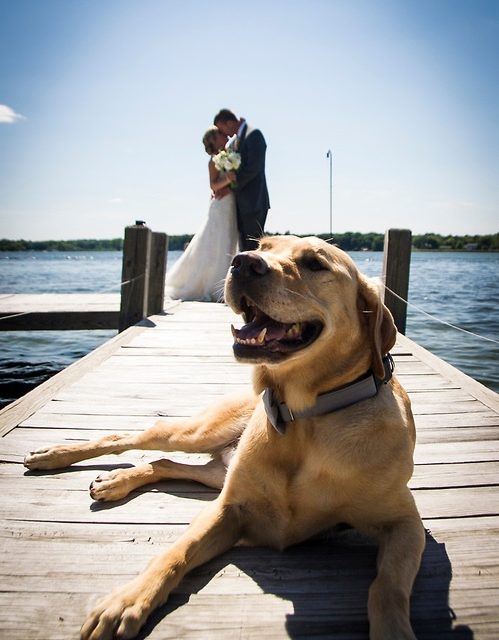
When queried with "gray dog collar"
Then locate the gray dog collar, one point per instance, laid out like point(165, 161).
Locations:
point(363, 388)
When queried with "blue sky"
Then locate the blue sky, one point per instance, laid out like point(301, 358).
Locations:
point(104, 103)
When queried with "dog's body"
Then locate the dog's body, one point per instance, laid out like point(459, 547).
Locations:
point(313, 324)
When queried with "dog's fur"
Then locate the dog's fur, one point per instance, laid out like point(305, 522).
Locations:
point(326, 327)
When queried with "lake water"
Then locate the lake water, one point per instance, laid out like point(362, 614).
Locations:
point(458, 288)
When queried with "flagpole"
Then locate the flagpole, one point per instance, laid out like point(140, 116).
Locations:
point(330, 156)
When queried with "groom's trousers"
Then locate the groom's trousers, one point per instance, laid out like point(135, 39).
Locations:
point(250, 226)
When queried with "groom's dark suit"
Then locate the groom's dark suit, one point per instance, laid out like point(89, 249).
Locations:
point(252, 197)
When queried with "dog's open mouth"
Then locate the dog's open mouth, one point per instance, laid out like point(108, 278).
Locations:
point(261, 333)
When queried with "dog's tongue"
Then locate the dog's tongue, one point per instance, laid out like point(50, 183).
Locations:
point(275, 330)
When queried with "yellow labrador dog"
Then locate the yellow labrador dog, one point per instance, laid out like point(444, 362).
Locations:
point(326, 437)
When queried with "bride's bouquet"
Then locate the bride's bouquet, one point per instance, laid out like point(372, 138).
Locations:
point(227, 160)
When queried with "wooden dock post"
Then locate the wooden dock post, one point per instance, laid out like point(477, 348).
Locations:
point(142, 293)
point(143, 274)
point(135, 274)
point(396, 265)
point(157, 272)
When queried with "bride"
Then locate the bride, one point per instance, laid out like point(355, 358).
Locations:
point(200, 271)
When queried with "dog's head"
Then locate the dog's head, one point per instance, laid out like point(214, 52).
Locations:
point(305, 304)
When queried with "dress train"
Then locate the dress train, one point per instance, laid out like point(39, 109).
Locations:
point(199, 273)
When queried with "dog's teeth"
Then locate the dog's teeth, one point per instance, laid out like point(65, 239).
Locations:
point(294, 330)
point(260, 339)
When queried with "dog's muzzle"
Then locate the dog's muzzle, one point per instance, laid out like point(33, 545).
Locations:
point(262, 337)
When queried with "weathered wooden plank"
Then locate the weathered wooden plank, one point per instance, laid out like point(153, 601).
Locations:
point(13, 453)
point(464, 474)
point(469, 540)
point(177, 371)
point(246, 615)
point(466, 535)
point(479, 391)
point(168, 357)
point(146, 391)
point(41, 437)
point(77, 421)
point(459, 434)
point(170, 406)
point(47, 311)
point(119, 423)
point(456, 452)
point(273, 614)
point(441, 396)
point(120, 559)
point(60, 321)
point(149, 506)
point(206, 350)
point(430, 453)
point(461, 502)
point(40, 302)
point(461, 474)
point(414, 383)
point(78, 477)
point(98, 405)
point(20, 409)
point(420, 407)
point(454, 420)
point(158, 504)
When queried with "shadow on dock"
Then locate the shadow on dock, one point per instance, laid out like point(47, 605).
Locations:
point(325, 605)
point(326, 579)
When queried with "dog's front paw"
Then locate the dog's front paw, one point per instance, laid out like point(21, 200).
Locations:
point(119, 615)
point(47, 458)
point(110, 486)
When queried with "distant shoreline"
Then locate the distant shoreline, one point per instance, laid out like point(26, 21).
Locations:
point(349, 241)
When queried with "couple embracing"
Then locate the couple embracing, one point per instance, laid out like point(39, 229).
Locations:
point(237, 212)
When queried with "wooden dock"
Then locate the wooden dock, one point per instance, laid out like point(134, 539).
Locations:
point(61, 552)
point(41, 311)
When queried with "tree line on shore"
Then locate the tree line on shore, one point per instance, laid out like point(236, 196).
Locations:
point(349, 241)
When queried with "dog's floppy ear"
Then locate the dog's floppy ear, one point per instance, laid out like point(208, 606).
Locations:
point(381, 328)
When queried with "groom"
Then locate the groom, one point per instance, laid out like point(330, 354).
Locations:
point(252, 197)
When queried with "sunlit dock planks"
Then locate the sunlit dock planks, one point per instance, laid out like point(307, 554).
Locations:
point(60, 551)
point(39, 311)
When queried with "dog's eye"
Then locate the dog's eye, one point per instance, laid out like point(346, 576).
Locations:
point(312, 263)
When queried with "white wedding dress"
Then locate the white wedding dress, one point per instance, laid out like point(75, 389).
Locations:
point(199, 273)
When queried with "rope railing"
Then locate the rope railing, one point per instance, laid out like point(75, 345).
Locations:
point(409, 304)
point(444, 322)
point(99, 292)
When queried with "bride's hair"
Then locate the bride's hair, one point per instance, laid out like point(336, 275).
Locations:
point(209, 141)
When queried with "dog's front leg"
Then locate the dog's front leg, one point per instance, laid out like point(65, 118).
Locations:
point(125, 610)
point(209, 431)
point(401, 547)
point(117, 484)
point(63, 455)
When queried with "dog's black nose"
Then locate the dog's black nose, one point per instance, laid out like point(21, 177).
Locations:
point(249, 263)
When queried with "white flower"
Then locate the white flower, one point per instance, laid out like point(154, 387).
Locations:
point(227, 160)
